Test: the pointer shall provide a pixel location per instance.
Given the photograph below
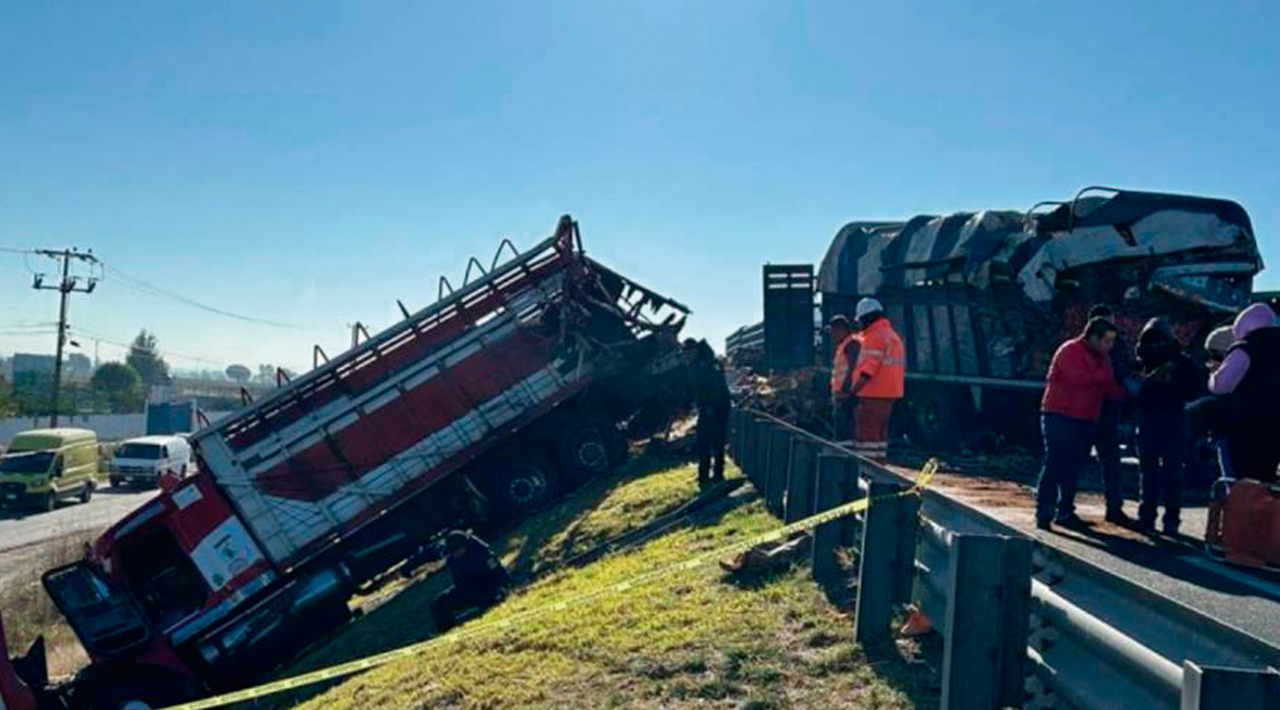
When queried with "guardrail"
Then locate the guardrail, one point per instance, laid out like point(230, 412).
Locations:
point(1024, 624)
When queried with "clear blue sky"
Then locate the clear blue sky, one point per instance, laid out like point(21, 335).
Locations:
point(311, 162)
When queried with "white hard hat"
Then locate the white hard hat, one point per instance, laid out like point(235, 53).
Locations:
point(867, 305)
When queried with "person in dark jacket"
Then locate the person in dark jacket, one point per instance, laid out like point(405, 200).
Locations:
point(1079, 381)
point(1171, 381)
point(479, 579)
point(1248, 382)
point(1107, 439)
point(710, 392)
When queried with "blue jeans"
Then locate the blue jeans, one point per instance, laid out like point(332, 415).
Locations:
point(1066, 450)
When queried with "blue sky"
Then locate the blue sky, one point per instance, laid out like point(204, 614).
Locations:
point(312, 162)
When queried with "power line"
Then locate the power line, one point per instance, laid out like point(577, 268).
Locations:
point(138, 284)
point(95, 335)
point(11, 250)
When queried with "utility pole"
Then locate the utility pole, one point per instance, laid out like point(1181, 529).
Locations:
point(67, 286)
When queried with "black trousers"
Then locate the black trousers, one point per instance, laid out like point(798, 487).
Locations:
point(449, 603)
point(713, 428)
point(1163, 448)
point(1107, 442)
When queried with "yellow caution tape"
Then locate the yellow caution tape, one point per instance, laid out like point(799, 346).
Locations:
point(380, 659)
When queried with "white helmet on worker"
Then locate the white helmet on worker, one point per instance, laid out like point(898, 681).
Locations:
point(866, 307)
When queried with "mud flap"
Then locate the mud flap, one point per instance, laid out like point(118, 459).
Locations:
point(14, 693)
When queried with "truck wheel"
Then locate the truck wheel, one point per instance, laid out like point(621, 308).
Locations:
point(936, 417)
point(520, 486)
point(117, 483)
point(86, 494)
point(589, 448)
point(51, 502)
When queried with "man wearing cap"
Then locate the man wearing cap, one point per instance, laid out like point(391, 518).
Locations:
point(845, 343)
point(877, 378)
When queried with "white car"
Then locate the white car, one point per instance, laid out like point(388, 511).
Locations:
point(145, 459)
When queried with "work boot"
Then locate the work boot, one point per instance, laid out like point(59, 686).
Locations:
point(1118, 517)
point(1145, 525)
point(1071, 521)
point(1171, 528)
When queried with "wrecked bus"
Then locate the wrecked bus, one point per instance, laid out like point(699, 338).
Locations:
point(474, 410)
point(983, 299)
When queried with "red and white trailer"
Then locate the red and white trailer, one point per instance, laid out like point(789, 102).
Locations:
point(472, 411)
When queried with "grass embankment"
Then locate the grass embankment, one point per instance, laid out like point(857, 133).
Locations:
point(692, 640)
point(28, 611)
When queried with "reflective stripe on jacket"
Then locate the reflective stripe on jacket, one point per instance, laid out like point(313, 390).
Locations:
point(883, 359)
point(840, 382)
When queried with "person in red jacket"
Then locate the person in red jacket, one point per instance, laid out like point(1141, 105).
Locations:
point(1080, 381)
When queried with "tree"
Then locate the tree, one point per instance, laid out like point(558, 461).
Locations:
point(120, 385)
point(239, 373)
point(146, 361)
point(267, 374)
point(79, 365)
point(6, 403)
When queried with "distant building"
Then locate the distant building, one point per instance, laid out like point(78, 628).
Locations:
point(35, 364)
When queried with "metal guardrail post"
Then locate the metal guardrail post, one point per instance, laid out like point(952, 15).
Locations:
point(735, 435)
point(832, 471)
point(1212, 688)
point(748, 456)
point(878, 565)
point(907, 523)
point(988, 603)
point(850, 525)
point(775, 469)
point(801, 475)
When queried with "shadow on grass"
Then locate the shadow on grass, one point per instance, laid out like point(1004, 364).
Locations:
point(405, 618)
point(913, 671)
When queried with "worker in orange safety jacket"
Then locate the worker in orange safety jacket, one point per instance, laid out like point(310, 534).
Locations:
point(877, 378)
point(845, 343)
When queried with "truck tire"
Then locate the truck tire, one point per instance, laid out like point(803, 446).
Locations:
point(50, 502)
point(588, 448)
point(86, 493)
point(938, 418)
point(519, 486)
point(116, 482)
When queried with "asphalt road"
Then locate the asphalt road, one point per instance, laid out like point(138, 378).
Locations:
point(32, 539)
point(1247, 599)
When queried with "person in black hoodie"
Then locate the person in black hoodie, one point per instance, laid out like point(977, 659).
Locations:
point(711, 393)
point(1170, 380)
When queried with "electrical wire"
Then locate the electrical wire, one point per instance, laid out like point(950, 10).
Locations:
point(94, 335)
point(11, 250)
point(142, 286)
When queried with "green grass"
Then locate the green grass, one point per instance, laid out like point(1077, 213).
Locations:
point(694, 640)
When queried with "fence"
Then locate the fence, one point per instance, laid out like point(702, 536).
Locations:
point(1024, 624)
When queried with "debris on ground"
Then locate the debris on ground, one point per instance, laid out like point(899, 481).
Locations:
point(768, 557)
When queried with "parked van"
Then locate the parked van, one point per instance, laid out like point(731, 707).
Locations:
point(143, 460)
point(43, 466)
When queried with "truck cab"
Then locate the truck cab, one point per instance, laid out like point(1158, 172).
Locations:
point(44, 466)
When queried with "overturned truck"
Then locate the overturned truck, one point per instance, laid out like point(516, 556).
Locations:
point(983, 299)
point(473, 411)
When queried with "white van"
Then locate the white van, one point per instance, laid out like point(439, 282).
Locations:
point(144, 459)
